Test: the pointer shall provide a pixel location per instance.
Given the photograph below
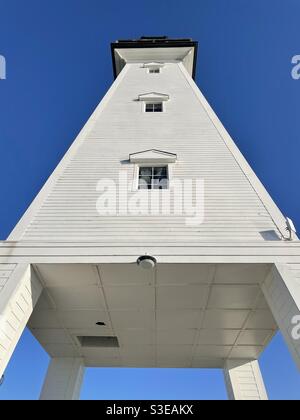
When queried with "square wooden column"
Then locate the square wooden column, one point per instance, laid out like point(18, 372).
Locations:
point(64, 379)
point(244, 380)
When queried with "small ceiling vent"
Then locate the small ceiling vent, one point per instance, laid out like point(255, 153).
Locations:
point(97, 342)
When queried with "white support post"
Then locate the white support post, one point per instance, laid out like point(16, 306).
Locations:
point(244, 380)
point(19, 294)
point(282, 292)
point(64, 379)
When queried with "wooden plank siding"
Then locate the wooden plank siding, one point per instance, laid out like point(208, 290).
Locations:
point(282, 292)
point(233, 210)
point(284, 252)
point(6, 270)
point(18, 297)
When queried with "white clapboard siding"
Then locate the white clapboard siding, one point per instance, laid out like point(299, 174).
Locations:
point(233, 210)
point(18, 296)
point(6, 271)
point(282, 292)
point(244, 381)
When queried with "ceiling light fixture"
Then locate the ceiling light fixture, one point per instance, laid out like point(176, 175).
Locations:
point(147, 262)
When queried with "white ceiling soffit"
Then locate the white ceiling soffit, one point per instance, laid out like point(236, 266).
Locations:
point(185, 55)
point(180, 315)
point(153, 156)
point(154, 96)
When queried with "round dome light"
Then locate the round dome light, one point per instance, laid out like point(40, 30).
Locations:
point(146, 262)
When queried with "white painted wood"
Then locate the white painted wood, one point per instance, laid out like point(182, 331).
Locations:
point(18, 298)
point(273, 210)
point(153, 156)
point(282, 292)
point(180, 315)
point(143, 55)
point(207, 277)
point(64, 379)
point(244, 381)
point(153, 96)
point(236, 209)
point(6, 271)
point(94, 252)
point(29, 215)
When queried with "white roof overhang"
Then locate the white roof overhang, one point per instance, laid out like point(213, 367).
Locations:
point(153, 156)
point(186, 55)
point(154, 96)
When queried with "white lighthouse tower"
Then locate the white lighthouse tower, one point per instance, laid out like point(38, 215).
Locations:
point(153, 243)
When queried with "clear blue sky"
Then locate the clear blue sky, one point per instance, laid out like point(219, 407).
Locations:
point(58, 69)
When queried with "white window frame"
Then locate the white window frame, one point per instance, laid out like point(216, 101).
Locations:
point(154, 70)
point(136, 176)
point(153, 66)
point(153, 97)
point(152, 103)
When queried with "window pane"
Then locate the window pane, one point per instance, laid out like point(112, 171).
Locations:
point(161, 175)
point(160, 171)
point(154, 107)
point(155, 183)
point(160, 184)
point(146, 171)
point(145, 178)
point(149, 107)
point(164, 184)
point(145, 183)
point(158, 107)
point(154, 177)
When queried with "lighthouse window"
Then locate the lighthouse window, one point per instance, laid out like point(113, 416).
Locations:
point(154, 71)
point(154, 107)
point(153, 178)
